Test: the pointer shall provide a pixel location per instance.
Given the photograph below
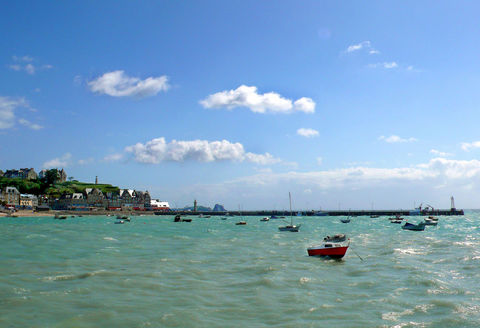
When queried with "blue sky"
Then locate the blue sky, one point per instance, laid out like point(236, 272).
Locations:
point(345, 104)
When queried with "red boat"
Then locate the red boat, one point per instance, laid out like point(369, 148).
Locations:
point(334, 247)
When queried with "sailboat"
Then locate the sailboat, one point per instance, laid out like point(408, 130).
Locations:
point(291, 227)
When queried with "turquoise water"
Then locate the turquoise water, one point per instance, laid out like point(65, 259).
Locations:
point(152, 272)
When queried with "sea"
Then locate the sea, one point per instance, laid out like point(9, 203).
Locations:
point(152, 272)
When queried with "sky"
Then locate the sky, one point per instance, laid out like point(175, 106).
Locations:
point(345, 104)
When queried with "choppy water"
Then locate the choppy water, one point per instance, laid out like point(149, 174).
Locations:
point(152, 272)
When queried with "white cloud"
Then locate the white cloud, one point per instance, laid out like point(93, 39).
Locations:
point(466, 146)
point(58, 162)
point(22, 58)
point(362, 45)
point(386, 65)
point(319, 160)
point(304, 104)
point(24, 63)
point(396, 139)
point(439, 153)
point(29, 124)
point(118, 84)
point(158, 150)
point(247, 96)
point(7, 111)
point(262, 159)
point(308, 133)
point(86, 161)
point(113, 157)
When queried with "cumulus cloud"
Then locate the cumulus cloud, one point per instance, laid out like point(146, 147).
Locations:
point(439, 153)
point(248, 96)
point(118, 84)
point(308, 133)
point(58, 162)
point(466, 146)
point(365, 45)
point(396, 139)
point(29, 124)
point(432, 182)
point(159, 150)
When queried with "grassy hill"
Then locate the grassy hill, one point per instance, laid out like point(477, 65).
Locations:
point(40, 187)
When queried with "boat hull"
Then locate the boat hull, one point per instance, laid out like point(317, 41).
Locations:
point(332, 252)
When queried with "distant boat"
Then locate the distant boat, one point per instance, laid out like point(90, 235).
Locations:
point(274, 217)
point(178, 218)
point(347, 220)
point(119, 222)
point(265, 219)
point(374, 216)
point(414, 227)
point(224, 218)
point(433, 221)
point(333, 247)
point(396, 221)
point(291, 227)
point(241, 223)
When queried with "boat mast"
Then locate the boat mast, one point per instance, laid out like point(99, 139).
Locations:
point(290, 198)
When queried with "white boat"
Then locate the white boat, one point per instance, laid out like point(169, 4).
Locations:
point(265, 219)
point(291, 227)
point(431, 220)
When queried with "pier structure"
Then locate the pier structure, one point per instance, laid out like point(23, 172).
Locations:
point(435, 212)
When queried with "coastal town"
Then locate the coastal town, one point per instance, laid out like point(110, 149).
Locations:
point(89, 198)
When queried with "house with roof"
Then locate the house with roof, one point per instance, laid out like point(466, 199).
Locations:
point(95, 197)
point(25, 174)
point(28, 201)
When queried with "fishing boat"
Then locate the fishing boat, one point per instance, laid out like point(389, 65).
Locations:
point(265, 219)
point(334, 247)
point(433, 221)
point(414, 227)
point(396, 218)
point(291, 227)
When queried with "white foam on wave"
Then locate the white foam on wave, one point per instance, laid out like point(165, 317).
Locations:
point(410, 251)
point(110, 238)
point(394, 316)
point(35, 235)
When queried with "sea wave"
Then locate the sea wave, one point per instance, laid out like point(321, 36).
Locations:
point(76, 276)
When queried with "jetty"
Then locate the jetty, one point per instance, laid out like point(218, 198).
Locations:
point(402, 212)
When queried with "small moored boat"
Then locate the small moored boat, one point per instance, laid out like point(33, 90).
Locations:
point(334, 247)
point(347, 220)
point(414, 227)
point(291, 227)
point(265, 219)
point(431, 221)
point(241, 223)
point(119, 222)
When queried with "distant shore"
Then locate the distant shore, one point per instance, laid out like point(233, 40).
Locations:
point(52, 213)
